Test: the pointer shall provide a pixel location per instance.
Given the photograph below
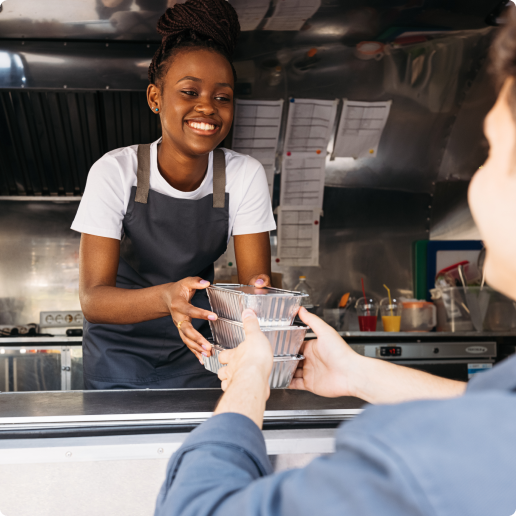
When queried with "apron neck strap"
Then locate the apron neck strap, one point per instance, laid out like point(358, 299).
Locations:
point(143, 176)
point(219, 179)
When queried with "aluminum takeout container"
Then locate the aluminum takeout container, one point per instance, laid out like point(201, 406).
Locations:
point(283, 367)
point(272, 306)
point(285, 340)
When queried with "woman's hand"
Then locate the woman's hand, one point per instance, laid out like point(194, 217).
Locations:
point(251, 360)
point(329, 362)
point(260, 281)
point(177, 296)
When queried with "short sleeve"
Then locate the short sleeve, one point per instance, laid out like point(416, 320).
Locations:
point(254, 213)
point(103, 205)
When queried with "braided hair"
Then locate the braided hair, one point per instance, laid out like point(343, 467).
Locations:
point(211, 24)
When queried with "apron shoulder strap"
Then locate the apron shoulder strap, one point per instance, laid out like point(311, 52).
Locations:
point(143, 174)
point(219, 179)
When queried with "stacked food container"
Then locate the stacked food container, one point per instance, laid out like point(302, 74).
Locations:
point(275, 309)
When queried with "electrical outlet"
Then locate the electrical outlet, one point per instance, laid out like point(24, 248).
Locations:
point(6, 329)
point(60, 319)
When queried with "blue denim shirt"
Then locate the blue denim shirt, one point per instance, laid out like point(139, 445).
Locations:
point(448, 458)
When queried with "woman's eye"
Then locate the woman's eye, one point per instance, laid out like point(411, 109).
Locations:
point(189, 92)
point(223, 99)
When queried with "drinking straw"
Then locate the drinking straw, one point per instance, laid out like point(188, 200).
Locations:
point(365, 298)
point(389, 294)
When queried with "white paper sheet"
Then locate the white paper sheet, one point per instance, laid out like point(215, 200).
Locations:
point(298, 236)
point(302, 180)
point(250, 12)
point(360, 128)
point(310, 125)
point(256, 129)
point(292, 14)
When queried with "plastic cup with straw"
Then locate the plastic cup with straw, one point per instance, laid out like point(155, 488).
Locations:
point(390, 312)
point(367, 311)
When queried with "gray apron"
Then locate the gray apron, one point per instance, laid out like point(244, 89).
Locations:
point(165, 240)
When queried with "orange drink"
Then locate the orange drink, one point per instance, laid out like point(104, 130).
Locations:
point(391, 322)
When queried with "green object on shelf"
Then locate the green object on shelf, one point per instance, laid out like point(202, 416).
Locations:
point(421, 289)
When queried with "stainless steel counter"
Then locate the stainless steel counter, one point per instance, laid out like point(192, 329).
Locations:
point(80, 412)
point(105, 452)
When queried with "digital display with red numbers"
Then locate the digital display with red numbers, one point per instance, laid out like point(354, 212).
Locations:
point(390, 351)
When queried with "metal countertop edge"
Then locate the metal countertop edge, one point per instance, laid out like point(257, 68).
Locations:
point(173, 418)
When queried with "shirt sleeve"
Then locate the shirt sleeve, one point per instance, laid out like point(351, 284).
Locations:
point(254, 214)
point(103, 205)
point(222, 470)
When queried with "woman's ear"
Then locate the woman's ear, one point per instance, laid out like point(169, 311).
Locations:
point(154, 98)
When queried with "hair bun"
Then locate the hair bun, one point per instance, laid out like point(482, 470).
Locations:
point(216, 20)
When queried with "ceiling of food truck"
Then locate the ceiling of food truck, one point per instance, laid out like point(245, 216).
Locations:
point(343, 20)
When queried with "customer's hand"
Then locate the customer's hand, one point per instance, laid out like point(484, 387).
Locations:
point(251, 359)
point(245, 379)
point(329, 365)
point(177, 296)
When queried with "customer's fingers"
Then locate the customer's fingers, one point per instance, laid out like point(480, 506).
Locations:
point(297, 384)
point(298, 373)
point(225, 356)
point(316, 323)
point(251, 326)
point(223, 373)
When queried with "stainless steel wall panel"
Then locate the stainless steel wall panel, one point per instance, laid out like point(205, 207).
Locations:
point(75, 65)
point(466, 149)
point(39, 259)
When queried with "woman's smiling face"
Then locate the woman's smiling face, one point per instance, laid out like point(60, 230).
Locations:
point(195, 100)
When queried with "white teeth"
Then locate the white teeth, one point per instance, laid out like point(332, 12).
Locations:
point(202, 126)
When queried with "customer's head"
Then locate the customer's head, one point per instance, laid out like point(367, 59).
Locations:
point(492, 193)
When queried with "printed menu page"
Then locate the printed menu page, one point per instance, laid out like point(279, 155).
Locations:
point(298, 236)
point(256, 130)
point(302, 180)
point(310, 125)
point(360, 128)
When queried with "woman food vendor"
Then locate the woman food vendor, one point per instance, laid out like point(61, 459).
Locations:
point(154, 218)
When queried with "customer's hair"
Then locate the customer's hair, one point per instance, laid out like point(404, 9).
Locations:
point(210, 24)
point(503, 55)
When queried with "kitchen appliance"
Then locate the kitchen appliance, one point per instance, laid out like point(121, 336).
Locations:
point(45, 357)
point(418, 316)
point(449, 355)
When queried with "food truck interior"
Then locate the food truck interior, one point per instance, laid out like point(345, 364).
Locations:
point(367, 116)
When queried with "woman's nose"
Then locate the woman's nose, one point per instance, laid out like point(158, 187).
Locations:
point(205, 107)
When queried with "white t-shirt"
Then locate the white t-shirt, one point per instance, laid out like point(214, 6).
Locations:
point(108, 190)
